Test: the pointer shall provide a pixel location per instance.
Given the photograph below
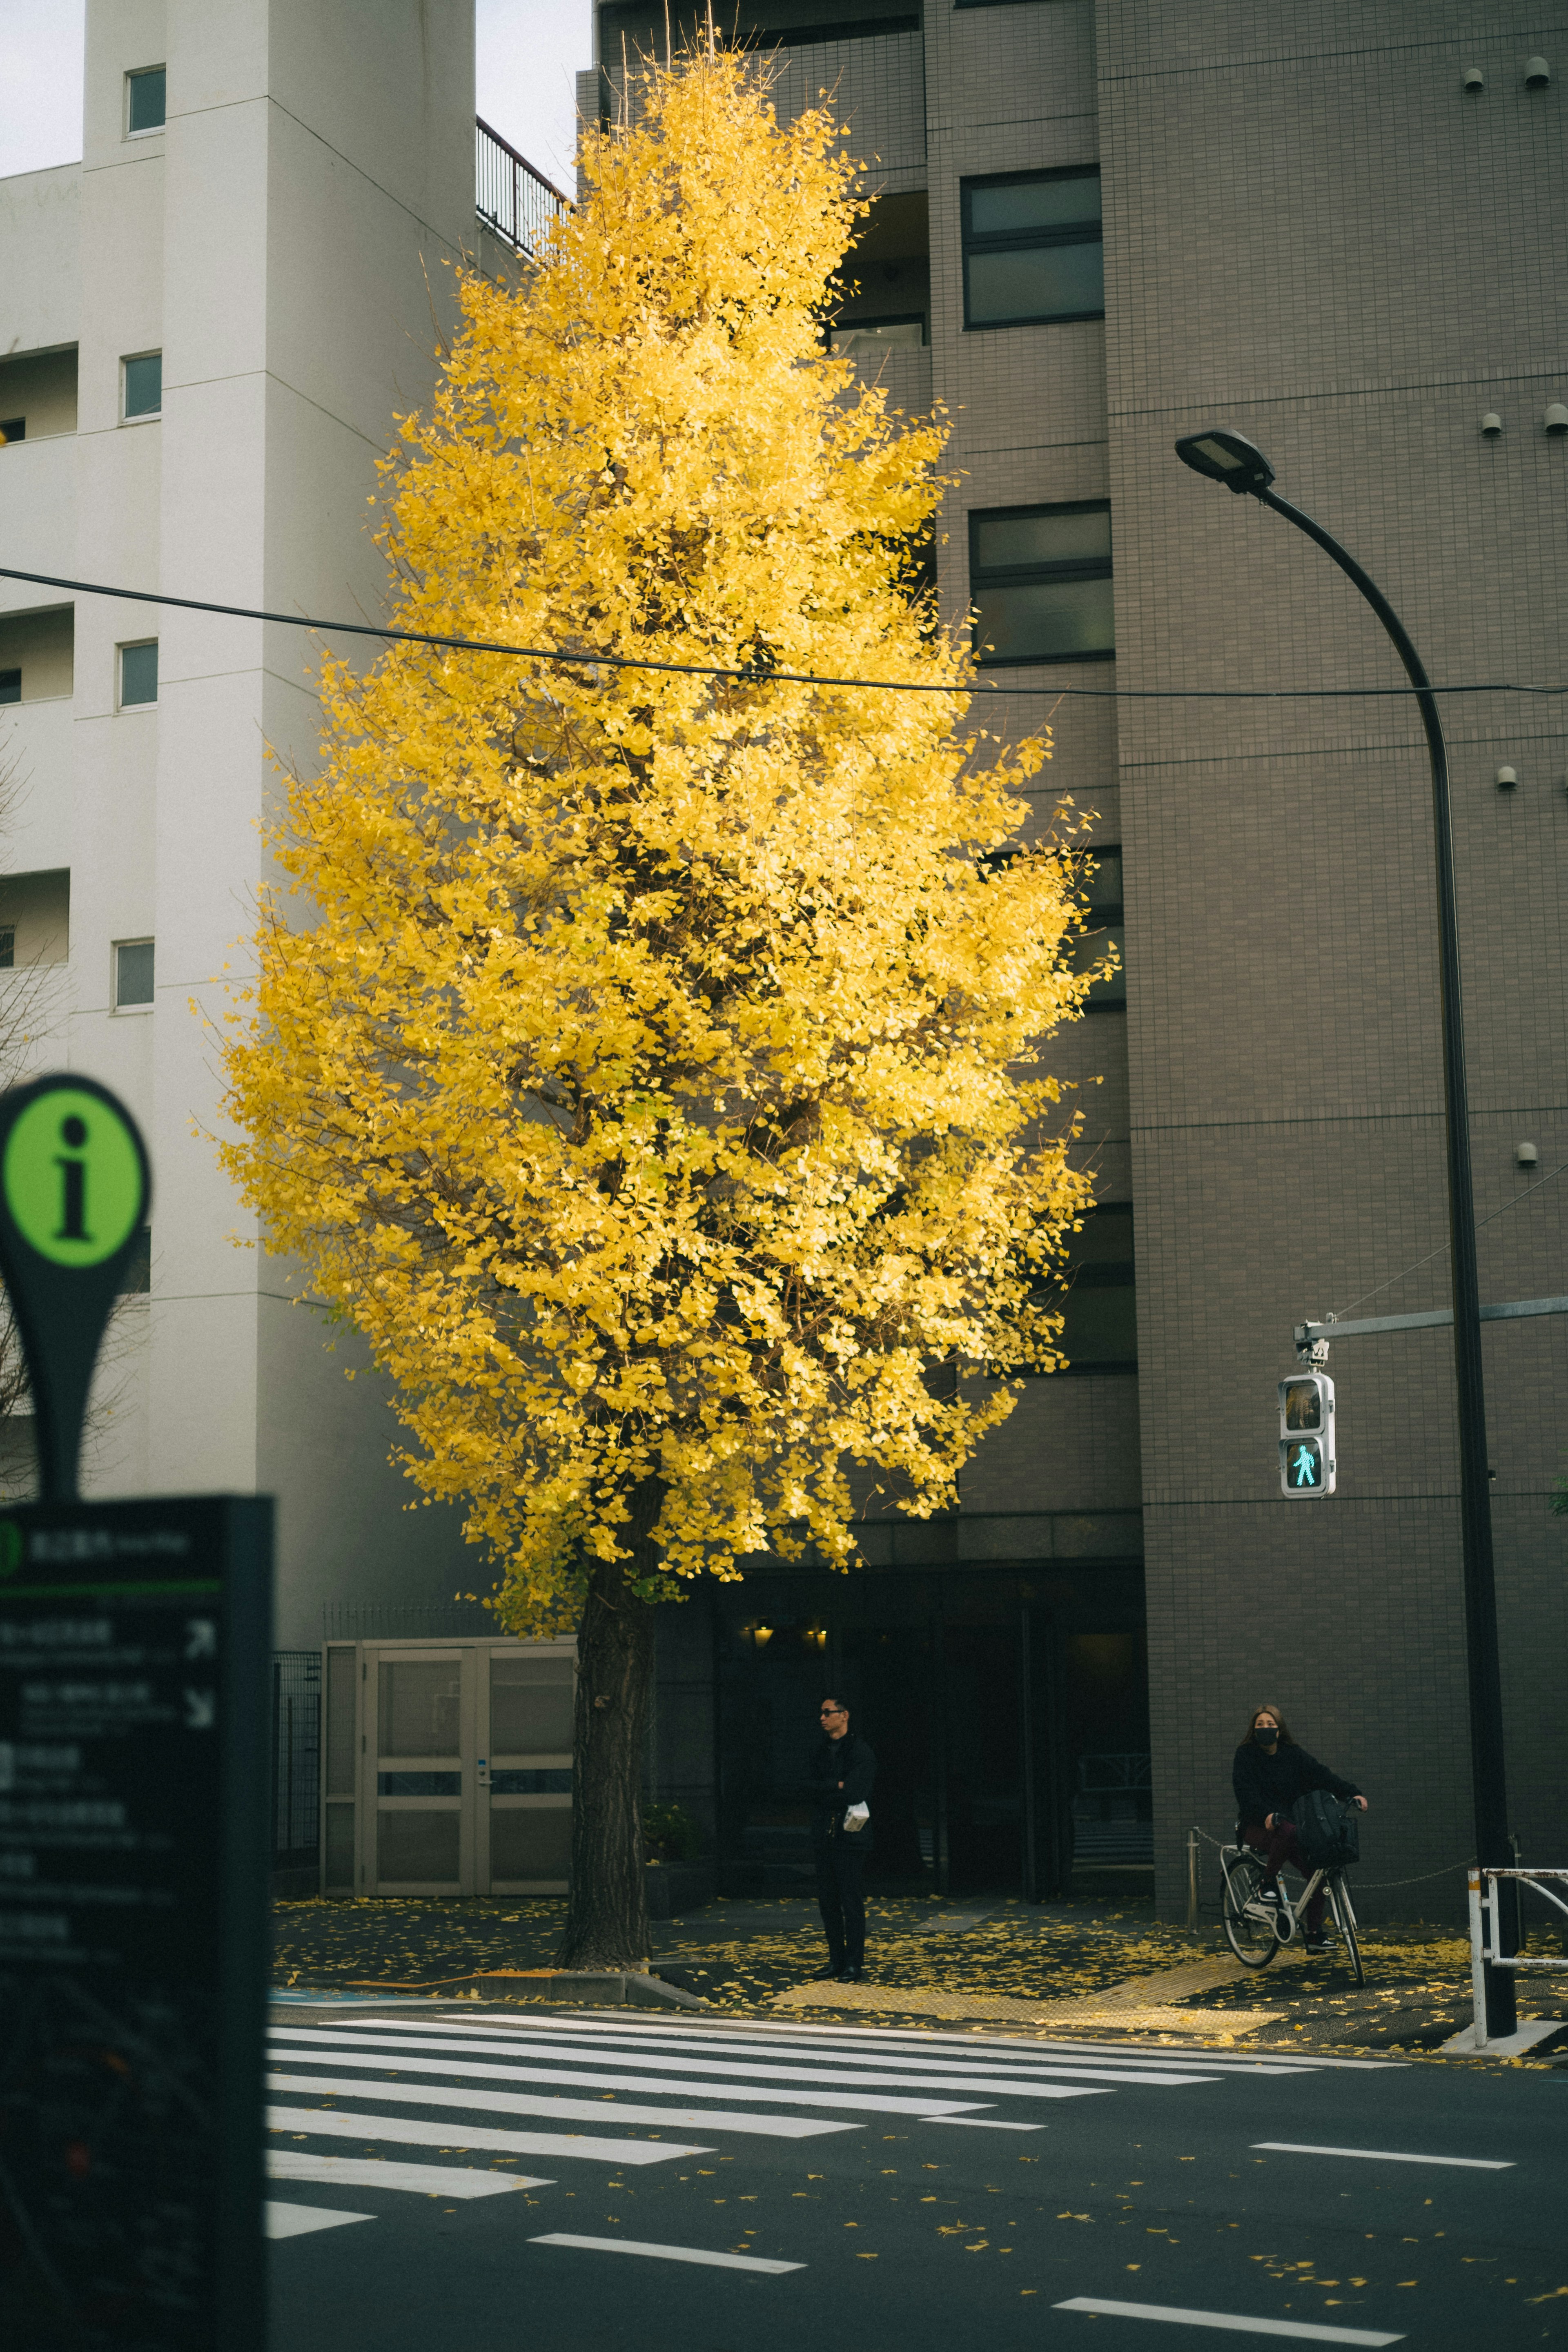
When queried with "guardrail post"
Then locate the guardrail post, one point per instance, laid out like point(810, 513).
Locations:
point(1479, 1919)
point(1192, 1882)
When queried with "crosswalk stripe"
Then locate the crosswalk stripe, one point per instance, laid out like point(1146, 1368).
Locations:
point(874, 2078)
point(649, 2047)
point(298, 2221)
point(456, 2180)
point(1390, 2156)
point(1028, 2048)
point(1177, 2315)
point(983, 2123)
point(587, 2111)
point(858, 2103)
point(331, 2123)
point(664, 2254)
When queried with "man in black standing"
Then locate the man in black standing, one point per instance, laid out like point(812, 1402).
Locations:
point(843, 1771)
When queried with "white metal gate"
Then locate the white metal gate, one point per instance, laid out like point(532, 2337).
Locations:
point(447, 1766)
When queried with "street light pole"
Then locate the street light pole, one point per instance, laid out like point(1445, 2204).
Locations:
point(1228, 457)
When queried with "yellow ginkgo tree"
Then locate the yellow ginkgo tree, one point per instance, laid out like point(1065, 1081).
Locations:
point(648, 1062)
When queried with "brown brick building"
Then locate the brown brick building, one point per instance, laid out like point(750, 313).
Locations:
point(1099, 227)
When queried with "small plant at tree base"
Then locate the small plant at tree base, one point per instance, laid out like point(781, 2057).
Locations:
point(670, 1834)
point(653, 1075)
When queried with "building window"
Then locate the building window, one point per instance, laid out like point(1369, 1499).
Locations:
point(133, 974)
point(8, 947)
point(138, 674)
point(1039, 577)
point(145, 99)
point(1099, 1303)
point(10, 685)
point(136, 1276)
point(11, 428)
point(1102, 897)
point(867, 337)
point(141, 381)
point(1032, 248)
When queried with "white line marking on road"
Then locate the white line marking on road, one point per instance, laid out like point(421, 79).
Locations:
point(679, 2255)
point(324, 2123)
point(576, 2078)
point(298, 2221)
point(881, 2079)
point(1389, 2155)
point(983, 2123)
point(1283, 2062)
point(655, 2045)
point(458, 2180)
point(576, 2111)
point(1106, 2309)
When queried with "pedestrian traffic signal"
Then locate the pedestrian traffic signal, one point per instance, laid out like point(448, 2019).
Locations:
point(1307, 1434)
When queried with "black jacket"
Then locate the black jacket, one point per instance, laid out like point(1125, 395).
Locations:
point(850, 1760)
point(1265, 1784)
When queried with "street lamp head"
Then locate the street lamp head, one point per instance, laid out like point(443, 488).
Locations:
point(1225, 457)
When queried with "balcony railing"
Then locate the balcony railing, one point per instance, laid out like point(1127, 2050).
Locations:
point(510, 196)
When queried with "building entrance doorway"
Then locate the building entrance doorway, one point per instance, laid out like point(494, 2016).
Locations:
point(447, 1767)
point(1008, 1713)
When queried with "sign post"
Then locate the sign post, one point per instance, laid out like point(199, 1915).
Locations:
point(135, 1742)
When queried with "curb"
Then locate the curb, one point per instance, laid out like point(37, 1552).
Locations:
point(570, 1988)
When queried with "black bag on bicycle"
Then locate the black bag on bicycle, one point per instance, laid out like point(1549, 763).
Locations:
point(1328, 1830)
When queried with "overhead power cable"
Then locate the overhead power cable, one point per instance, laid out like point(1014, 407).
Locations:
point(757, 673)
point(1442, 1248)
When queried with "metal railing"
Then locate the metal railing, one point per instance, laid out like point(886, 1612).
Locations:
point(1484, 1891)
point(510, 196)
point(296, 1757)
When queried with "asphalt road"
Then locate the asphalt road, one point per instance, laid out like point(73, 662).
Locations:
point(468, 2179)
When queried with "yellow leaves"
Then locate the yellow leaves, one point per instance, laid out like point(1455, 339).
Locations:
point(651, 1070)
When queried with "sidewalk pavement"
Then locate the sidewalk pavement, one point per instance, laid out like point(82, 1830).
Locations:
point(1052, 1968)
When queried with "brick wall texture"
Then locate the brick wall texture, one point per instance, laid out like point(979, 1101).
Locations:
point(1312, 234)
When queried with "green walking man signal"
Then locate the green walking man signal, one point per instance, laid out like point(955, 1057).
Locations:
point(1307, 1434)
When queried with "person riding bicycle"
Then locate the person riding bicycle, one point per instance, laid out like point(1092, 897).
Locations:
point(1269, 1773)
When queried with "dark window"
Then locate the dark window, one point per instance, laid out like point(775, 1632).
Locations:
point(867, 337)
point(10, 685)
point(11, 428)
point(144, 384)
point(137, 1278)
point(1032, 248)
point(133, 972)
point(1040, 580)
point(1100, 1334)
point(1102, 896)
point(138, 674)
point(7, 948)
point(419, 1784)
point(144, 99)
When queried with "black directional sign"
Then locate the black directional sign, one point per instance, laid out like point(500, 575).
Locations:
point(134, 1737)
point(133, 1773)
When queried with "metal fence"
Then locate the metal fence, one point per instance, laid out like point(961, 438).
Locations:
point(296, 1757)
point(510, 196)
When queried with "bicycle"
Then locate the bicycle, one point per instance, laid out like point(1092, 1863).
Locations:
point(1256, 1930)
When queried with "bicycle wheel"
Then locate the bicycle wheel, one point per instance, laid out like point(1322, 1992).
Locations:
point(1248, 1923)
point(1344, 1912)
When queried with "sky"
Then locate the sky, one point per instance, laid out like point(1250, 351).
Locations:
point(527, 54)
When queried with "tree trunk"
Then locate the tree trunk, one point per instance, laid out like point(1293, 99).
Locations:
point(607, 1908)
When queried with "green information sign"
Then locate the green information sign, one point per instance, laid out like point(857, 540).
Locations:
point(74, 1196)
point(74, 1176)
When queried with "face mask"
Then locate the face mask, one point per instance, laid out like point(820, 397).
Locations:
point(1266, 1734)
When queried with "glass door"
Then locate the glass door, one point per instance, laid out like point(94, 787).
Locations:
point(523, 1771)
point(419, 1799)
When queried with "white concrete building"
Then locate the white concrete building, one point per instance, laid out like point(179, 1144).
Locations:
point(207, 329)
